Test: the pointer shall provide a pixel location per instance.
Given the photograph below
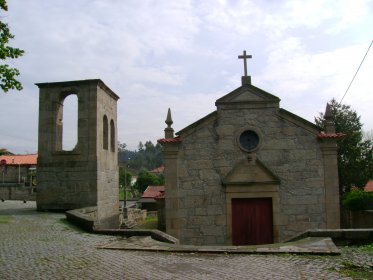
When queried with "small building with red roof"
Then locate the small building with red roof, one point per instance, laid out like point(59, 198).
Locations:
point(18, 168)
point(149, 198)
point(369, 186)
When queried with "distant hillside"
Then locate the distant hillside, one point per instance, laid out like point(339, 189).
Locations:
point(148, 156)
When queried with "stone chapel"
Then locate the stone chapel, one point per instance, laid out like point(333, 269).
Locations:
point(249, 173)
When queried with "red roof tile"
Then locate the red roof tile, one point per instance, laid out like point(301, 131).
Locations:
point(159, 169)
point(169, 140)
point(369, 186)
point(153, 191)
point(31, 159)
point(331, 135)
point(160, 196)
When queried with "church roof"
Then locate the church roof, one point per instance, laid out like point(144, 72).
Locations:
point(297, 119)
point(212, 115)
point(248, 94)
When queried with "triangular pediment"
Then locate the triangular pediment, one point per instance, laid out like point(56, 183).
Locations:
point(248, 172)
point(247, 94)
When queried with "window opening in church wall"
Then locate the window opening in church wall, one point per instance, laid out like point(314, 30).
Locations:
point(112, 136)
point(69, 122)
point(105, 133)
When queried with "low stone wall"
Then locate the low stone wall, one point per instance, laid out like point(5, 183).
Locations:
point(136, 215)
point(152, 213)
point(15, 191)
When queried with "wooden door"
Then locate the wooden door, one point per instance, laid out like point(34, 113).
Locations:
point(252, 221)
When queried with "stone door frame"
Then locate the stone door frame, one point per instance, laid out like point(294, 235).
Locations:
point(253, 191)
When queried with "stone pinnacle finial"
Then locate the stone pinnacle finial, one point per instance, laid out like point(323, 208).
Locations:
point(329, 120)
point(169, 131)
point(328, 112)
point(169, 121)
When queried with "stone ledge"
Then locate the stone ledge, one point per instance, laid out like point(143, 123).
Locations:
point(307, 246)
point(80, 218)
point(153, 233)
point(339, 236)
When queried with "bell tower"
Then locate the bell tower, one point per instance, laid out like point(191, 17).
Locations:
point(87, 175)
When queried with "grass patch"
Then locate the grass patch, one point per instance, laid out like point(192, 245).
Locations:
point(367, 247)
point(5, 219)
point(151, 222)
point(355, 271)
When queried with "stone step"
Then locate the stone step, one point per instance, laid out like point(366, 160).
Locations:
point(126, 224)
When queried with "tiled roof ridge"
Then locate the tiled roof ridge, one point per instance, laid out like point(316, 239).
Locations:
point(176, 139)
point(323, 134)
point(153, 191)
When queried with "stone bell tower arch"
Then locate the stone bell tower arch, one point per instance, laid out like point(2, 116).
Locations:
point(87, 175)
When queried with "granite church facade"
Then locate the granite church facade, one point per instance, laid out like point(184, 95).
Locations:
point(249, 173)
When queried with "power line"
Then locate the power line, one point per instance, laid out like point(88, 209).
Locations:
point(356, 72)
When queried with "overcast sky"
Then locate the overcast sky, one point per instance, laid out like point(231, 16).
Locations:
point(183, 55)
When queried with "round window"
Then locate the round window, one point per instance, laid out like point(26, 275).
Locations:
point(248, 140)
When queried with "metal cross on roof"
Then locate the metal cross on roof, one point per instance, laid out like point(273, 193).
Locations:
point(245, 57)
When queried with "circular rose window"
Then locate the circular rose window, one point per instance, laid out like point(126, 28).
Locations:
point(248, 140)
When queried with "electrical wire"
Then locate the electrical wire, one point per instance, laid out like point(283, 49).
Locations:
point(356, 72)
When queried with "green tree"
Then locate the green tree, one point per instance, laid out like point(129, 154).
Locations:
point(7, 73)
point(146, 179)
point(125, 176)
point(355, 162)
point(4, 151)
point(148, 156)
point(358, 199)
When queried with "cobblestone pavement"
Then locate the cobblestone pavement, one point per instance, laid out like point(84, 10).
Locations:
point(41, 245)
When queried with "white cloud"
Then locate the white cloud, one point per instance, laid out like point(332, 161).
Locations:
point(183, 55)
point(308, 79)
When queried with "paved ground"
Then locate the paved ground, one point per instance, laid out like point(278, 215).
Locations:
point(36, 245)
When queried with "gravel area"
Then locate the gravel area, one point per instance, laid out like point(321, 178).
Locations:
point(42, 245)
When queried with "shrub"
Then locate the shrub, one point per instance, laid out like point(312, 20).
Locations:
point(358, 199)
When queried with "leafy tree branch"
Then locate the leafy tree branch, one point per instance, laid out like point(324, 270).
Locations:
point(8, 74)
point(355, 161)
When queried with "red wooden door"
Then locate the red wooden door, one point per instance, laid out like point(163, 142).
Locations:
point(252, 221)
